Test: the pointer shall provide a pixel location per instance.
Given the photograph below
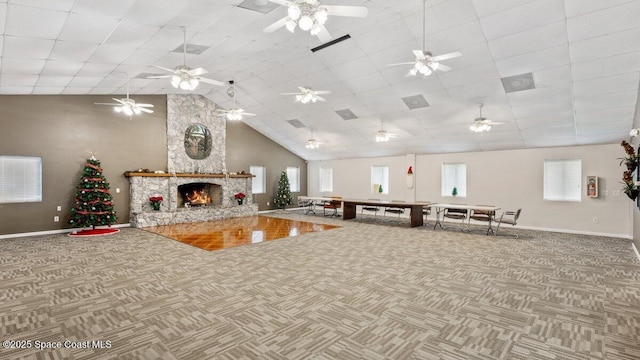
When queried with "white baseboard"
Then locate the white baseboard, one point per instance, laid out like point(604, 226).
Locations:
point(591, 233)
point(51, 232)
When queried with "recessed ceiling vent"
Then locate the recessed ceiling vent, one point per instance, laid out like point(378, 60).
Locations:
point(518, 83)
point(330, 43)
point(261, 6)
point(346, 114)
point(191, 49)
point(296, 123)
point(415, 102)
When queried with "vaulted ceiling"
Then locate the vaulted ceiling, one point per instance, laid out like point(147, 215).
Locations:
point(583, 57)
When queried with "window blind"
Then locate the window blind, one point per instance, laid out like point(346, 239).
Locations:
point(454, 175)
point(563, 180)
point(326, 179)
point(259, 184)
point(293, 173)
point(20, 179)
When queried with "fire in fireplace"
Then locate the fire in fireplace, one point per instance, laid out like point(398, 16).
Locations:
point(199, 194)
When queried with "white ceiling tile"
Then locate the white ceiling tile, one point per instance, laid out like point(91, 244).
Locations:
point(534, 61)
point(111, 54)
point(603, 101)
point(591, 128)
point(607, 84)
point(18, 80)
point(554, 131)
point(53, 67)
point(95, 69)
point(549, 108)
point(15, 90)
point(522, 18)
point(366, 82)
point(144, 57)
point(87, 28)
point(477, 91)
point(340, 53)
point(22, 66)
point(3, 17)
point(604, 21)
point(32, 22)
point(605, 115)
point(462, 77)
point(154, 12)
point(72, 51)
point(559, 93)
point(54, 81)
point(552, 76)
point(581, 7)
point(548, 141)
point(63, 5)
point(530, 40)
point(605, 46)
point(121, 36)
point(455, 38)
point(26, 48)
point(484, 8)
point(48, 90)
point(354, 68)
point(76, 90)
point(615, 65)
point(601, 138)
point(110, 9)
point(84, 81)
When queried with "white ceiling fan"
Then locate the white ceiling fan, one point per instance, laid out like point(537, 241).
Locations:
point(312, 143)
point(235, 113)
point(425, 63)
point(128, 106)
point(310, 15)
point(482, 124)
point(184, 77)
point(382, 135)
point(307, 95)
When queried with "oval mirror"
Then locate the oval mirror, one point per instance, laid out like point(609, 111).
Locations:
point(197, 142)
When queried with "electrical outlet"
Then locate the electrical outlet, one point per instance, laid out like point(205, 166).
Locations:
point(616, 192)
point(117, 190)
point(59, 208)
point(56, 218)
point(267, 203)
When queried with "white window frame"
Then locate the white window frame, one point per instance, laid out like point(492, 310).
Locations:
point(453, 175)
point(562, 180)
point(20, 179)
point(379, 176)
point(293, 174)
point(259, 182)
point(326, 179)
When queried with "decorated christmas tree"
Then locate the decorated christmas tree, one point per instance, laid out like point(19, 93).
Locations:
point(93, 202)
point(283, 196)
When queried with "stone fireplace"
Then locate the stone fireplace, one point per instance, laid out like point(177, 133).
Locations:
point(196, 185)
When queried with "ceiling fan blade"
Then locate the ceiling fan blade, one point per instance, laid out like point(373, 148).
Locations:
point(419, 54)
point(323, 34)
point(403, 63)
point(322, 92)
point(159, 77)
point(290, 94)
point(320, 98)
point(197, 71)
point(281, 2)
point(248, 114)
point(120, 101)
point(276, 25)
point(443, 68)
point(339, 10)
point(447, 56)
point(145, 110)
point(164, 68)
point(303, 89)
point(111, 104)
point(211, 81)
point(144, 105)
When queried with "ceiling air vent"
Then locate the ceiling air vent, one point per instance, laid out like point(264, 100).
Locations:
point(296, 123)
point(330, 43)
point(261, 6)
point(346, 114)
point(518, 83)
point(192, 49)
point(415, 102)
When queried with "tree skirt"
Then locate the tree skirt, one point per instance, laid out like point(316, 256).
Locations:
point(94, 232)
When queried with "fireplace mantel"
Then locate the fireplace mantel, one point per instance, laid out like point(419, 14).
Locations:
point(191, 175)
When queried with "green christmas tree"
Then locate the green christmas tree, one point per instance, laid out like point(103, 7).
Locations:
point(283, 196)
point(93, 202)
point(455, 191)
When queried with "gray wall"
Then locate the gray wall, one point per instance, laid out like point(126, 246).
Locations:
point(63, 129)
point(246, 147)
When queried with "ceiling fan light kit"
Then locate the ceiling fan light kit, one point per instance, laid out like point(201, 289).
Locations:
point(312, 144)
point(382, 136)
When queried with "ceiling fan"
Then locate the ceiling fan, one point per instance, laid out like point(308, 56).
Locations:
point(425, 63)
point(307, 95)
point(235, 113)
point(481, 124)
point(312, 143)
point(382, 135)
point(184, 77)
point(128, 106)
point(310, 15)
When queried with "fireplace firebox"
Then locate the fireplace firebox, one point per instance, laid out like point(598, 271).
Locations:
point(199, 194)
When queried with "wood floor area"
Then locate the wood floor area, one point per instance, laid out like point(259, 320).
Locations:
point(222, 234)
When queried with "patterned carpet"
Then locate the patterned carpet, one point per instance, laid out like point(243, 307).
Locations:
point(361, 291)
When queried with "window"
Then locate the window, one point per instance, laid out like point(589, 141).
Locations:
point(293, 173)
point(20, 179)
point(562, 179)
point(380, 177)
point(326, 179)
point(259, 183)
point(454, 175)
